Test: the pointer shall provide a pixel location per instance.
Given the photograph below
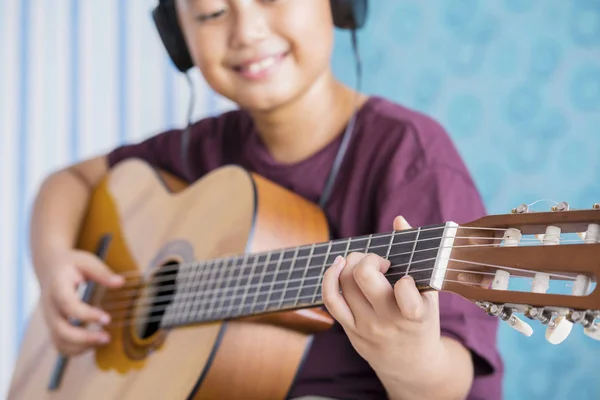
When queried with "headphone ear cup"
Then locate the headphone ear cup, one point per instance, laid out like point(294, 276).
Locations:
point(349, 14)
point(165, 19)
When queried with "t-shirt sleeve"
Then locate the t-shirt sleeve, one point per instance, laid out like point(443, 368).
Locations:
point(162, 151)
point(440, 191)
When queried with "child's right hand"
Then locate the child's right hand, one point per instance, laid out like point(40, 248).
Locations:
point(64, 271)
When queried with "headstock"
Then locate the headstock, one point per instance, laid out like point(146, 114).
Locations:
point(550, 250)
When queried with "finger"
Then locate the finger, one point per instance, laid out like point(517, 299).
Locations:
point(79, 336)
point(375, 286)
point(96, 270)
point(69, 335)
point(70, 305)
point(360, 306)
point(332, 298)
point(400, 224)
point(409, 299)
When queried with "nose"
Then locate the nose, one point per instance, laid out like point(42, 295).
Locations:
point(251, 25)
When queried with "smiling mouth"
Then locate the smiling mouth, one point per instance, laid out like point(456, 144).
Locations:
point(260, 69)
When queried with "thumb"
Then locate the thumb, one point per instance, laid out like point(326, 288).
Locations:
point(93, 268)
point(400, 224)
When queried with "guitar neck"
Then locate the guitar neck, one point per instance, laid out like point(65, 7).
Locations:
point(291, 278)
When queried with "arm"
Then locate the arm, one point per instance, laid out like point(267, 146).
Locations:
point(59, 207)
point(432, 345)
point(449, 375)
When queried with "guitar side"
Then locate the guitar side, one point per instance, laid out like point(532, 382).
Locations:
point(151, 223)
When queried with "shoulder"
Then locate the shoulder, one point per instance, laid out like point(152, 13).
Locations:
point(408, 140)
point(416, 167)
point(406, 129)
point(166, 149)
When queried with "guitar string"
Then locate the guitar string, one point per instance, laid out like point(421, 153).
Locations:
point(130, 320)
point(149, 320)
point(198, 306)
point(124, 295)
point(134, 280)
point(393, 235)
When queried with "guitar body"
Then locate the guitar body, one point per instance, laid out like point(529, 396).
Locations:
point(153, 221)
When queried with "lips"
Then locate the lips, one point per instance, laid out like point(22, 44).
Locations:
point(260, 68)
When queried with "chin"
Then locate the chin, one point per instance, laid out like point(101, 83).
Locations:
point(263, 99)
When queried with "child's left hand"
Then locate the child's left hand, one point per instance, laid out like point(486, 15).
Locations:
point(396, 329)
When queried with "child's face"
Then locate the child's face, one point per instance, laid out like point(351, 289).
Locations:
point(258, 53)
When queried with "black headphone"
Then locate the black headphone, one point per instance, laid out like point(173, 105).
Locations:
point(347, 14)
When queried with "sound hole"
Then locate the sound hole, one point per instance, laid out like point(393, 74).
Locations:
point(156, 298)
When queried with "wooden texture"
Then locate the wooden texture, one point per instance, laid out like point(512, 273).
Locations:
point(151, 226)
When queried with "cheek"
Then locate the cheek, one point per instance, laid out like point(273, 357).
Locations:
point(312, 42)
point(208, 57)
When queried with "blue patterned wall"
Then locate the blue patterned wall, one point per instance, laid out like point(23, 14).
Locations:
point(515, 82)
point(517, 85)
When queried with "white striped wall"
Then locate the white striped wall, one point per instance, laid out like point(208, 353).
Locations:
point(76, 78)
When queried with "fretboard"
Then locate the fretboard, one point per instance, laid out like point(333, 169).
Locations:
point(291, 278)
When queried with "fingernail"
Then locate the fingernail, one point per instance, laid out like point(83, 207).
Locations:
point(116, 279)
point(104, 319)
point(338, 261)
point(104, 338)
point(411, 298)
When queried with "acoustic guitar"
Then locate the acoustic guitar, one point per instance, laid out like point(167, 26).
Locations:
point(223, 284)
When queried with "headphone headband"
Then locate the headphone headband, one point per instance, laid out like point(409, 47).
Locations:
point(347, 14)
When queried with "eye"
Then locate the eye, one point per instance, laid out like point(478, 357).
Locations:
point(209, 16)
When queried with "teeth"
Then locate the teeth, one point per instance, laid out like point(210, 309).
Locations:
point(261, 65)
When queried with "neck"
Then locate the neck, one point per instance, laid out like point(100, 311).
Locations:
point(306, 124)
point(291, 278)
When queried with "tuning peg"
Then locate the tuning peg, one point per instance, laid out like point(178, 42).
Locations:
point(558, 330)
point(562, 206)
point(507, 315)
point(596, 206)
point(523, 208)
point(519, 325)
point(593, 331)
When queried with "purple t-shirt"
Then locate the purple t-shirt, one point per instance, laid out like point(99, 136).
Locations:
point(399, 162)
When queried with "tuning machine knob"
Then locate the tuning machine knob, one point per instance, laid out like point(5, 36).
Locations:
point(562, 206)
point(507, 314)
point(587, 320)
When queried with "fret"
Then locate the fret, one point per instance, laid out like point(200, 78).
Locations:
point(415, 257)
point(243, 307)
point(338, 248)
point(313, 282)
point(292, 288)
point(308, 270)
point(358, 244)
point(218, 293)
point(389, 247)
point(182, 302)
point(197, 283)
point(210, 288)
point(413, 251)
point(228, 288)
point(380, 245)
point(176, 311)
point(425, 254)
point(401, 250)
point(272, 277)
point(256, 282)
point(236, 287)
point(289, 267)
point(212, 308)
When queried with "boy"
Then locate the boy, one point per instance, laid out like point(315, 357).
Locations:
point(271, 57)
